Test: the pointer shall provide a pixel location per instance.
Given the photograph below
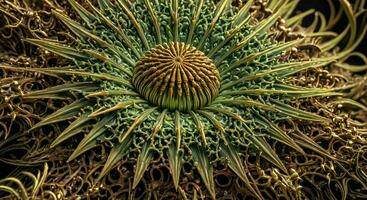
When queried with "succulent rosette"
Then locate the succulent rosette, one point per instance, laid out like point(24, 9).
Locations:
point(193, 82)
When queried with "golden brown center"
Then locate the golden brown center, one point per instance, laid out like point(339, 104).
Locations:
point(176, 76)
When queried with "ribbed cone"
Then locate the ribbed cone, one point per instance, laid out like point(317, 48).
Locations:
point(176, 76)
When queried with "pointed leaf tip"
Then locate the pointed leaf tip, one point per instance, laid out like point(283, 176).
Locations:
point(63, 113)
point(204, 167)
point(278, 134)
point(267, 152)
point(175, 163)
point(142, 164)
point(90, 140)
point(116, 154)
point(235, 163)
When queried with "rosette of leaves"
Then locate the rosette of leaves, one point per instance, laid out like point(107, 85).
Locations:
point(191, 81)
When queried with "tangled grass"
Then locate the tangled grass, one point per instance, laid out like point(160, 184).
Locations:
point(295, 129)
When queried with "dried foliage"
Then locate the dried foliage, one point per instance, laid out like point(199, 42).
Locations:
point(71, 127)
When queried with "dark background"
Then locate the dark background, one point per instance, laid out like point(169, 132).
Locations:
point(322, 6)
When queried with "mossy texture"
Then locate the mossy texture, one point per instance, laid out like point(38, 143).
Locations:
point(197, 83)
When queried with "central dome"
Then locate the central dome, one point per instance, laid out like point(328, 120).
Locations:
point(176, 76)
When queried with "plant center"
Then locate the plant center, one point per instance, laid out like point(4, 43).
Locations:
point(176, 76)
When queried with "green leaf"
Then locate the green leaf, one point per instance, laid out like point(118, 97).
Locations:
point(105, 93)
point(118, 106)
point(298, 92)
point(267, 152)
point(155, 20)
point(64, 113)
point(175, 157)
point(306, 142)
point(290, 70)
point(135, 22)
point(174, 11)
point(104, 58)
point(89, 140)
point(71, 71)
point(258, 29)
point(275, 49)
point(220, 8)
point(195, 19)
point(116, 28)
point(199, 126)
point(142, 164)
point(240, 20)
point(205, 169)
point(105, 4)
point(217, 124)
point(159, 123)
point(81, 32)
point(244, 102)
point(56, 90)
point(82, 12)
point(178, 129)
point(243, 15)
point(140, 119)
point(73, 129)
point(82, 149)
point(297, 113)
point(116, 154)
point(57, 48)
point(225, 111)
point(282, 70)
point(278, 134)
point(235, 163)
point(304, 92)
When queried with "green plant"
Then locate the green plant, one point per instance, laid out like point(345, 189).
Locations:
point(191, 81)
